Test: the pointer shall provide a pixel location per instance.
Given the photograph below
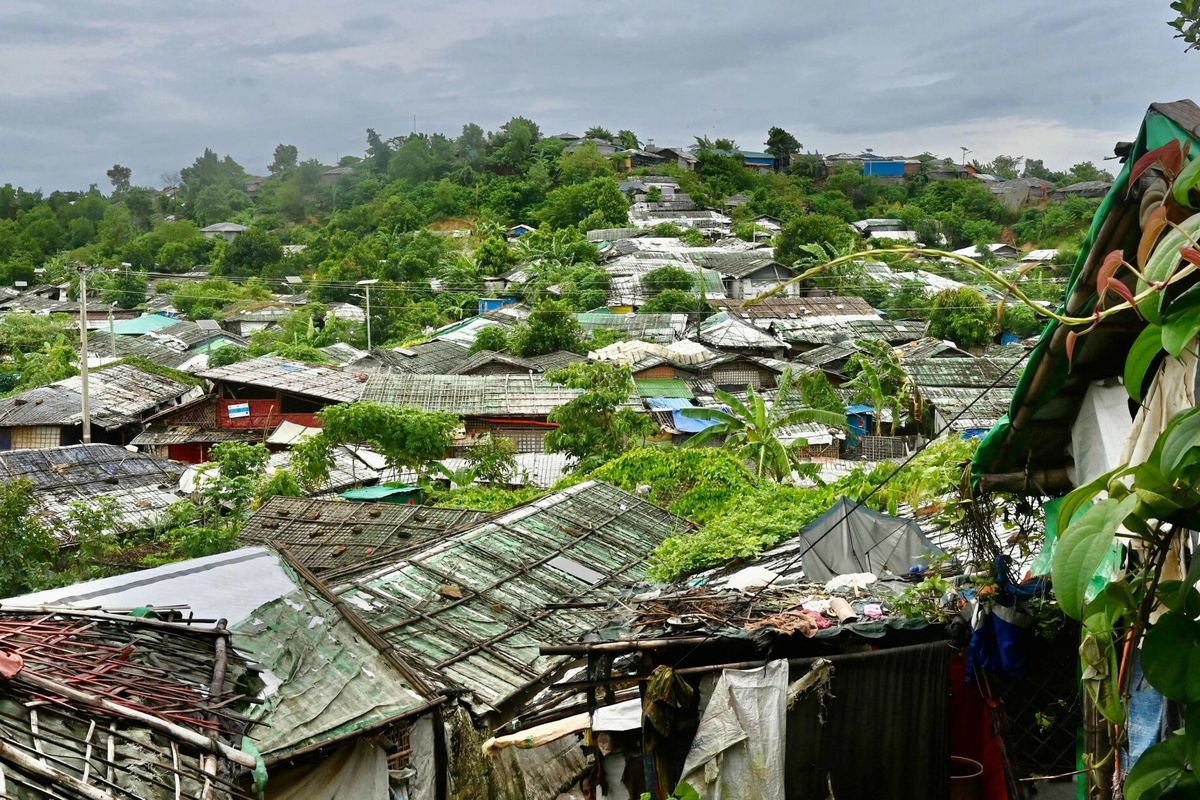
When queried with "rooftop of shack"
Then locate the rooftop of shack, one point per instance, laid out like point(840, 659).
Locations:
point(273, 372)
point(141, 485)
point(475, 606)
point(330, 536)
point(184, 676)
point(470, 395)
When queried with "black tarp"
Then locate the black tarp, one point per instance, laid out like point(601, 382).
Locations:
point(849, 538)
point(885, 732)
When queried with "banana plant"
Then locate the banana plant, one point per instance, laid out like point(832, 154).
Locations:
point(751, 428)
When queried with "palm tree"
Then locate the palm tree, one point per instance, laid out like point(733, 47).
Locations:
point(879, 380)
point(752, 428)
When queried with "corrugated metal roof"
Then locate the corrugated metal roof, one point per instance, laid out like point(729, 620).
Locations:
point(331, 536)
point(192, 434)
point(979, 409)
point(475, 607)
point(556, 360)
point(974, 373)
point(100, 344)
point(790, 307)
point(660, 328)
point(725, 332)
point(118, 395)
point(141, 485)
point(273, 372)
point(485, 358)
point(470, 395)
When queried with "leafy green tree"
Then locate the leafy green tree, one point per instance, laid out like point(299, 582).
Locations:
point(599, 424)
point(664, 278)
point(751, 429)
point(119, 176)
point(584, 287)
point(492, 459)
point(253, 252)
point(551, 327)
point(963, 316)
point(284, 160)
point(55, 361)
point(598, 132)
point(1087, 171)
point(563, 246)
point(597, 203)
point(126, 288)
point(908, 300)
point(510, 148)
point(671, 301)
point(379, 151)
point(628, 140)
point(23, 332)
point(407, 437)
point(783, 146)
point(1020, 320)
point(817, 392)
point(494, 257)
point(494, 338)
point(29, 546)
point(820, 229)
point(583, 164)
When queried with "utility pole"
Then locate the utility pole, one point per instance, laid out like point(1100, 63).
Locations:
point(367, 284)
point(112, 331)
point(83, 353)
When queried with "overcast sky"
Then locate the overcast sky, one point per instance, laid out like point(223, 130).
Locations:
point(150, 83)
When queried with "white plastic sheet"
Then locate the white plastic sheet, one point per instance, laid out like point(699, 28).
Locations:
point(624, 716)
point(738, 751)
point(1100, 430)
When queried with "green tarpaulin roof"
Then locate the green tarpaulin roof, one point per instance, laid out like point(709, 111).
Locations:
point(1033, 437)
point(663, 387)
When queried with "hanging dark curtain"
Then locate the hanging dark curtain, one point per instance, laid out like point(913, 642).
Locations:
point(885, 732)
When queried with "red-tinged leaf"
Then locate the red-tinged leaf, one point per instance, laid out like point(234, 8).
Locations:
point(1108, 268)
point(1072, 337)
point(1121, 289)
point(1156, 222)
point(1191, 255)
point(1169, 155)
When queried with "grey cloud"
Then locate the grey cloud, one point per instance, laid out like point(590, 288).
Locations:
point(170, 79)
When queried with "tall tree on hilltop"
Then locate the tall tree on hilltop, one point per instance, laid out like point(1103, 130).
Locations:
point(120, 175)
point(783, 146)
point(628, 139)
point(285, 159)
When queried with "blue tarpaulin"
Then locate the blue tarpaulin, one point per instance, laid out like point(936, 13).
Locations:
point(688, 425)
point(667, 403)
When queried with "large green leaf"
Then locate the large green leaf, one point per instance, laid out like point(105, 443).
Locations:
point(1163, 263)
point(1141, 355)
point(1179, 443)
point(1082, 547)
point(1162, 772)
point(1081, 498)
point(1171, 657)
point(1183, 184)
point(1181, 322)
